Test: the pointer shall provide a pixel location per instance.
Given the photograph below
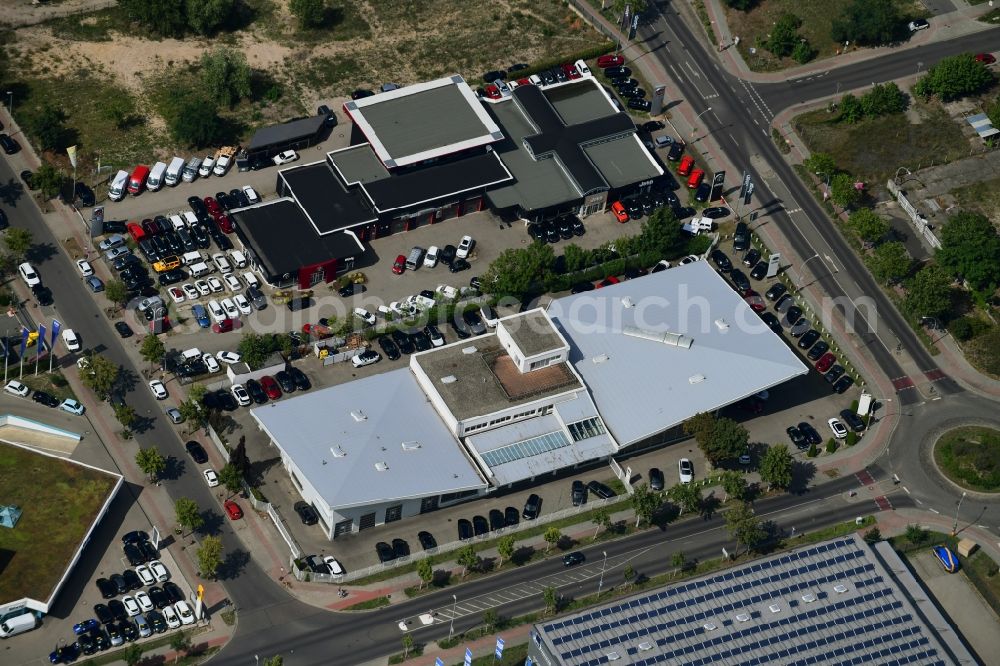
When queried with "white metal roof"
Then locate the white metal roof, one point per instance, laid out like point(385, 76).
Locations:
point(371, 440)
point(659, 349)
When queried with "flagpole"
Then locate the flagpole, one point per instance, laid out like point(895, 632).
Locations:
point(38, 354)
point(50, 361)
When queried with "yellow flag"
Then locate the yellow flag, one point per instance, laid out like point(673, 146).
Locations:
point(71, 151)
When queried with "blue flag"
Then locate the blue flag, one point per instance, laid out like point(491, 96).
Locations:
point(41, 338)
point(24, 341)
point(56, 326)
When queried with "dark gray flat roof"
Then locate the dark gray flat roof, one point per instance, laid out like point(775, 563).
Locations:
point(294, 130)
point(329, 205)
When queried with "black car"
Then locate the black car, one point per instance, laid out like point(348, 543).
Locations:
point(115, 226)
point(84, 194)
point(239, 197)
point(42, 294)
point(86, 644)
point(133, 555)
point(797, 438)
point(600, 489)
point(256, 391)
point(580, 287)
point(578, 228)
point(792, 315)
point(306, 513)
point(285, 381)
point(172, 277)
point(496, 520)
point(843, 384)
point(480, 525)
point(633, 207)
point(818, 350)
point(158, 597)
point(29, 179)
point(537, 232)
point(638, 104)
point(565, 228)
point(447, 255)
point(851, 418)
point(716, 212)
point(125, 261)
point(420, 341)
point(740, 280)
point(775, 292)
point(103, 614)
point(652, 126)
point(200, 236)
point(117, 609)
point(351, 289)
point(808, 338)
point(156, 621)
point(656, 479)
point(633, 273)
point(134, 537)
point(10, 146)
point(834, 373)
point(459, 265)
point(578, 492)
point(493, 75)
point(173, 592)
point(809, 433)
point(532, 507)
point(325, 111)
point(511, 516)
point(574, 558)
point(44, 398)
point(474, 322)
point(400, 548)
point(106, 588)
point(772, 322)
point(131, 579)
point(118, 580)
point(751, 257)
point(759, 271)
point(550, 232)
point(148, 552)
point(676, 151)
point(300, 379)
point(389, 347)
point(547, 77)
point(427, 540)
point(403, 341)
point(720, 259)
point(361, 93)
point(703, 192)
point(612, 72)
point(464, 529)
point(197, 452)
point(65, 654)
point(128, 630)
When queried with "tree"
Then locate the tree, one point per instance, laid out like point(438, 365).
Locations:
point(276, 660)
point(821, 163)
point(883, 99)
point(929, 293)
point(843, 192)
point(49, 180)
point(916, 534)
point(551, 598)
point(309, 13)
point(687, 496)
point(661, 233)
point(468, 559)
point(490, 619)
point(869, 23)
point(119, 109)
point(255, 349)
point(132, 654)
point(188, 513)
point(970, 249)
point(700, 426)
point(18, 241)
point(193, 414)
point(602, 518)
point(744, 526)
point(552, 536)
point(518, 271)
point(206, 16)
point(125, 414)
point(152, 349)
point(194, 121)
point(197, 393)
point(735, 485)
point(728, 440)
point(116, 292)
point(742, 5)
point(628, 573)
point(776, 467)
point(210, 556)
point(784, 35)
point(231, 478)
point(426, 571)
point(575, 258)
point(638, 6)
point(151, 462)
point(159, 16)
point(101, 375)
point(238, 457)
point(180, 642)
point(850, 108)
point(505, 548)
point(645, 503)
point(890, 262)
point(868, 225)
point(953, 77)
point(873, 535)
point(678, 561)
point(48, 126)
point(803, 51)
point(225, 75)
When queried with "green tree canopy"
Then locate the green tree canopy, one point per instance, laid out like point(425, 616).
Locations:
point(152, 349)
point(425, 570)
point(116, 292)
point(843, 192)
point(776, 467)
point(729, 439)
point(231, 478)
point(821, 164)
point(645, 503)
point(49, 180)
point(552, 536)
point(206, 17)
point(194, 120)
point(309, 13)
point(868, 225)
point(151, 462)
point(890, 262)
point(661, 234)
point(851, 110)
point(226, 75)
point(744, 526)
point(467, 558)
point(518, 271)
point(929, 293)
point(210, 556)
point(101, 376)
point(162, 17)
point(970, 249)
point(48, 126)
point(869, 23)
point(784, 35)
point(188, 514)
point(505, 548)
point(255, 349)
point(883, 99)
point(953, 77)
point(734, 484)
point(18, 241)
point(687, 496)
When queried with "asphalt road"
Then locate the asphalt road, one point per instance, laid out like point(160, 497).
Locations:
point(77, 309)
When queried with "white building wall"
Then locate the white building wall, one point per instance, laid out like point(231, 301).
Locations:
point(427, 386)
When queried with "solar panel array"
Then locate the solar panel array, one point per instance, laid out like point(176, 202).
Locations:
point(826, 604)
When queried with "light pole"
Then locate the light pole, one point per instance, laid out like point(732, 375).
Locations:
point(954, 527)
point(694, 128)
point(10, 103)
point(826, 194)
point(256, 659)
point(451, 629)
point(600, 583)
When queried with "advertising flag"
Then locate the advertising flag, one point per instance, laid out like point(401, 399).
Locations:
point(41, 338)
point(499, 650)
point(24, 340)
point(468, 657)
point(56, 327)
point(71, 152)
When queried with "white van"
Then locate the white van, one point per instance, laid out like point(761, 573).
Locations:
point(18, 624)
point(191, 258)
point(155, 180)
point(178, 222)
point(238, 258)
point(251, 280)
point(174, 171)
point(116, 190)
point(431, 258)
point(199, 269)
point(414, 258)
point(190, 218)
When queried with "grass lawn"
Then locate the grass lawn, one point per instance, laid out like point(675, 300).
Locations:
point(59, 501)
point(971, 457)
point(937, 139)
point(54, 384)
point(982, 197)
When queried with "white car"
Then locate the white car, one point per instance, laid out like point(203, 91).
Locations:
point(202, 287)
point(176, 294)
point(158, 389)
point(838, 428)
point(216, 312)
point(215, 284)
point(15, 387)
point(241, 394)
point(145, 603)
point(86, 269)
point(918, 24)
point(159, 571)
point(222, 263)
point(210, 363)
point(366, 358)
point(205, 170)
point(145, 575)
point(72, 342)
point(685, 470)
point(231, 310)
point(190, 291)
point(285, 157)
point(251, 280)
point(232, 282)
point(431, 258)
point(72, 406)
point(222, 165)
point(252, 196)
point(131, 606)
point(243, 304)
point(464, 247)
point(335, 568)
point(690, 259)
point(184, 610)
point(228, 357)
point(211, 478)
point(170, 616)
point(365, 316)
point(28, 274)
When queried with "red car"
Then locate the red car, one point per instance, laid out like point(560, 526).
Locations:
point(135, 231)
point(694, 180)
point(226, 325)
point(399, 265)
point(684, 168)
point(607, 282)
point(270, 387)
point(610, 60)
point(233, 510)
point(225, 222)
point(524, 82)
point(620, 213)
point(755, 301)
point(985, 58)
point(570, 70)
point(493, 92)
point(213, 206)
point(825, 362)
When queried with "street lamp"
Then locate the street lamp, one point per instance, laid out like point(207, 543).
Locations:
point(451, 630)
point(10, 103)
point(256, 659)
point(826, 194)
point(954, 527)
point(600, 583)
point(694, 127)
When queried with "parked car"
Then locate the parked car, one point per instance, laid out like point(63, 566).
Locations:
point(656, 480)
point(685, 470)
point(600, 489)
point(852, 419)
point(306, 513)
point(532, 507)
point(578, 493)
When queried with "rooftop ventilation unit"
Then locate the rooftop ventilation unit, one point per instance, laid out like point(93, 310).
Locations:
point(411, 446)
point(359, 416)
point(774, 608)
point(338, 452)
point(709, 626)
point(721, 324)
point(696, 379)
point(450, 379)
point(613, 656)
point(809, 598)
point(840, 589)
point(646, 646)
point(743, 617)
point(600, 359)
point(665, 337)
point(382, 466)
point(469, 350)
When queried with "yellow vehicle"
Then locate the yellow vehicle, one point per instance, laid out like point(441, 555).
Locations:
point(167, 263)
